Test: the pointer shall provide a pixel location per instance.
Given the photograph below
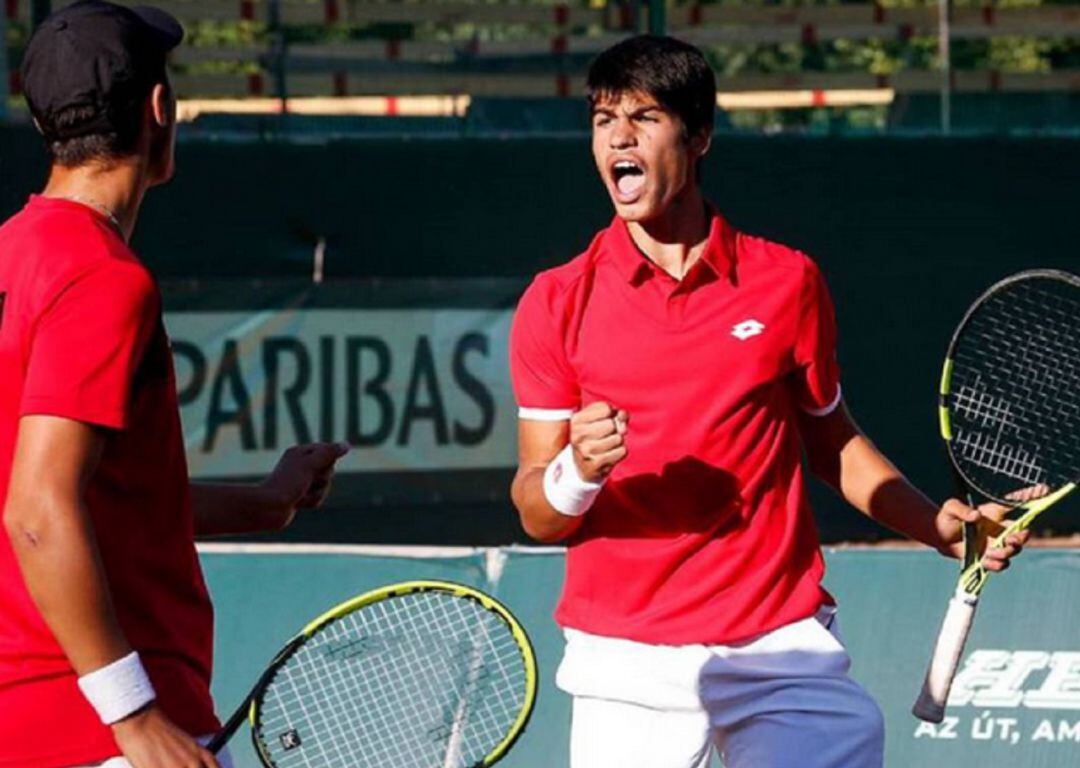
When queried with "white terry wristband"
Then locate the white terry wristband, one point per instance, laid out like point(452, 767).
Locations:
point(118, 689)
point(565, 489)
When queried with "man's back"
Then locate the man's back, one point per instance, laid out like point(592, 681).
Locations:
point(81, 338)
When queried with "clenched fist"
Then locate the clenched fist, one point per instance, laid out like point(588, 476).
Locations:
point(597, 434)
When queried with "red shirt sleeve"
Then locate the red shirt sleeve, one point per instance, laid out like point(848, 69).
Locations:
point(817, 377)
point(88, 344)
point(541, 374)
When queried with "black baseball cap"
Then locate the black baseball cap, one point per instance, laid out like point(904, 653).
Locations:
point(97, 55)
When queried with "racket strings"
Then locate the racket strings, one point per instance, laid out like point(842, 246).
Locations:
point(1015, 395)
point(423, 679)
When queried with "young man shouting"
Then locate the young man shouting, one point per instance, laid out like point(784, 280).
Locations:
point(105, 622)
point(666, 378)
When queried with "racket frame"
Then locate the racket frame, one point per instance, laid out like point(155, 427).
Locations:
point(250, 709)
point(959, 618)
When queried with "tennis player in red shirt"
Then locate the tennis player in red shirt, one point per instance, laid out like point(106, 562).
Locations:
point(105, 622)
point(665, 380)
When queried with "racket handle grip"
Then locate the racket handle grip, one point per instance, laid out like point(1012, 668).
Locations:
point(930, 705)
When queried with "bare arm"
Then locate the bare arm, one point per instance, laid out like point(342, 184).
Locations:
point(53, 539)
point(842, 456)
point(538, 443)
point(301, 480)
point(596, 433)
point(221, 509)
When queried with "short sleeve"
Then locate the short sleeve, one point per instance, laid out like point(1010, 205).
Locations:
point(545, 386)
point(817, 375)
point(88, 344)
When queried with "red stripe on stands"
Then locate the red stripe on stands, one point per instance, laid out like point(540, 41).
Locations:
point(255, 84)
point(626, 18)
point(14, 83)
point(247, 10)
point(995, 80)
point(559, 45)
point(905, 32)
point(809, 34)
point(989, 14)
point(879, 13)
point(393, 49)
point(562, 15)
point(817, 97)
point(562, 85)
point(341, 84)
point(697, 14)
point(391, 105)
point(333, 12)
point(882, 81)
point(11, 8)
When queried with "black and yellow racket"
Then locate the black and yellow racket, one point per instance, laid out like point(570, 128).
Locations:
point(422, 674)
point(1010, 416)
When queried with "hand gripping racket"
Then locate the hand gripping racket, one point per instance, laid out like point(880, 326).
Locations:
point(422, 674)
point(1010, 416)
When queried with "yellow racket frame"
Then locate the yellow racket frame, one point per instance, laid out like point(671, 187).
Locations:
point(973, 577)
point(457, 590)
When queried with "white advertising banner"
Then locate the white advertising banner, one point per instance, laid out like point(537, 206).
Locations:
point(410, 389)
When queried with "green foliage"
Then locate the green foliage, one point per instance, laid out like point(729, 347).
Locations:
point(885, 56)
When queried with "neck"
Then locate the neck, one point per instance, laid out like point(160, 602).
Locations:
point(675, 240)
point(117, 189)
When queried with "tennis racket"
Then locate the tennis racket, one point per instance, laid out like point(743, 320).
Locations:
point(1010, 416)
point(422, 674)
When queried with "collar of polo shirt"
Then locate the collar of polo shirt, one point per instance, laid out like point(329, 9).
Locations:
point(719, 254)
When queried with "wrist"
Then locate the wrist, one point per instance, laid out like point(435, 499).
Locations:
point(565, 489)
point(276, 504)
point(119, 689)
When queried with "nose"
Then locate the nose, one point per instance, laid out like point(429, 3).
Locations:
point(622, 134)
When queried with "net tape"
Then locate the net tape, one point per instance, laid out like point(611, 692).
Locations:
point(1015, 392)
point(421, 680)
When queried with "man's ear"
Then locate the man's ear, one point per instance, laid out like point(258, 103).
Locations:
point(701, 142)
point(162, 106)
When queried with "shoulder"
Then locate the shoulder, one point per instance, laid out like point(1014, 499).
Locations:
point(114, 288)
point(781, 263)
point(53, 259)
point(556, 290)
point(759, 251)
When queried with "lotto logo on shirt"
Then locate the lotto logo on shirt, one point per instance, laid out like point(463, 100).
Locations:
point(747, 328)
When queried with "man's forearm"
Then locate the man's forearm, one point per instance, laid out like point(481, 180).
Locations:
point(221, 509)
point(870, 483)
point(539, 519)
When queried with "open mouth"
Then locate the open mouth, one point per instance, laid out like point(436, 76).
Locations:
point(629, 178)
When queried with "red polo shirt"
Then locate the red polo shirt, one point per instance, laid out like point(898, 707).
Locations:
point(81, 338)
point(703, 533)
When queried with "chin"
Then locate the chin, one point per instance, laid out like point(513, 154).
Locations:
point(638, 212)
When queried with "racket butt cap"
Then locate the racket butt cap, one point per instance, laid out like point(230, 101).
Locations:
point(928, 710)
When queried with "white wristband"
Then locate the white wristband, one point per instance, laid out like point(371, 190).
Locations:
point(118, 689)
point(564, 487)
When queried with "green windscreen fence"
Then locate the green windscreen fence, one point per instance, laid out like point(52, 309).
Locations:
point(425, 246)
point(1016, 701)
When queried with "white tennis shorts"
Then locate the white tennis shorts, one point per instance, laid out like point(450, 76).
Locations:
point(781, 700)
point(223, 757)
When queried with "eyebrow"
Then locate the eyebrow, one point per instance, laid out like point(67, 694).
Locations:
point(633, 112)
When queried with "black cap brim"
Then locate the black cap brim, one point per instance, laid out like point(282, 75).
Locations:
point(165, 27)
